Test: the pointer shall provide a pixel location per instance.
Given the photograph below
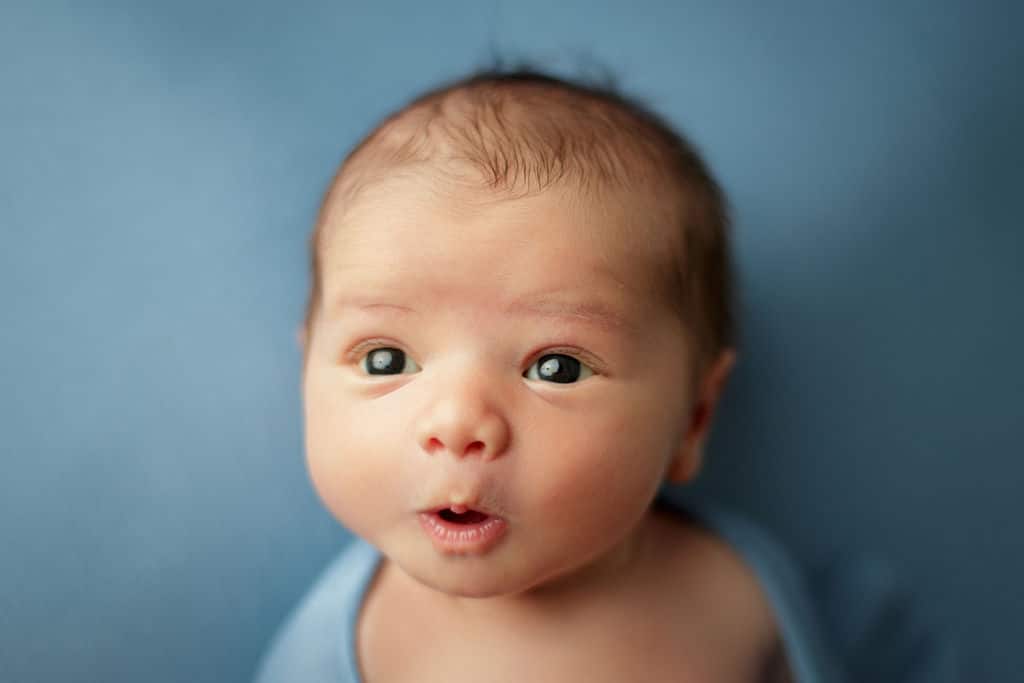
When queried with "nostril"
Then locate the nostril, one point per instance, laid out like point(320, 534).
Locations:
point(435, 445)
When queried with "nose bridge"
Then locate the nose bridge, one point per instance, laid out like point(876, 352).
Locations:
point(464, 417)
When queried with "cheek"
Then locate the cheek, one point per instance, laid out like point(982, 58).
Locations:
point(588, 490)
point(349, 464)
point(604, 466)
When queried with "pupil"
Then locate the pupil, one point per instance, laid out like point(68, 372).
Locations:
point(559, 368)
point(386, 361)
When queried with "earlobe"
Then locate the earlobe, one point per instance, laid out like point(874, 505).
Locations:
point(685, 466)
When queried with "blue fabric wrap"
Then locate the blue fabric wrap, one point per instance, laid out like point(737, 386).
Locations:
point(848, 622)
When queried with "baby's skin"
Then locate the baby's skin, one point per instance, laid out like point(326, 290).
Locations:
point(492, 399)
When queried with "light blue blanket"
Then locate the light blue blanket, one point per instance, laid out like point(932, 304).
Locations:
point(846, 624)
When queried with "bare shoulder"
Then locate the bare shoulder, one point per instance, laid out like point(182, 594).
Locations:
point(723, 593)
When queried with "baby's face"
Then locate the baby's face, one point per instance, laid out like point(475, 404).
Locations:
point(490, 357)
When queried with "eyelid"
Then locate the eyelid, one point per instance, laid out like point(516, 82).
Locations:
point(356, 353)
point(584, 357)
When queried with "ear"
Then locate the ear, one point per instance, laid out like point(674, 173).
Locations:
point(685, 466)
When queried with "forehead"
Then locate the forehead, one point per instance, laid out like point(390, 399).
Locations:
point(412, 237)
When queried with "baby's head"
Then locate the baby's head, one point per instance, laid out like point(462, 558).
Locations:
point(519, 325)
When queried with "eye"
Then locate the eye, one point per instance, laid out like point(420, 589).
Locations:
point(387, 361)
point(559, 368)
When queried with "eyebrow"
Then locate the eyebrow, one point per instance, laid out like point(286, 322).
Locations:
point(595, 313)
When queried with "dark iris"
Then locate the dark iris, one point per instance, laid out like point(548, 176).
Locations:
point(559, 368)
point(385, 361)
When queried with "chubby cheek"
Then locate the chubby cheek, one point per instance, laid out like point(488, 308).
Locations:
point(595, 481)
point(350, 462)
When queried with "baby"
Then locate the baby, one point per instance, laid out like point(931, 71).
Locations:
point(520, 325)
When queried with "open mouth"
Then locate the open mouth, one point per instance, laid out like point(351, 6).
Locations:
point(465, 531)
point(467, 517)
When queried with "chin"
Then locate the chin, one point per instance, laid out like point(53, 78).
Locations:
point(478, 581)
point(466, 587)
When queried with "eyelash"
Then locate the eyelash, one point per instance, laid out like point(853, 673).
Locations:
point(579, 354)
point(357, 352)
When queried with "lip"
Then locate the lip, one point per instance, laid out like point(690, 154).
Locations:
point(459, 507)
point(462, 539)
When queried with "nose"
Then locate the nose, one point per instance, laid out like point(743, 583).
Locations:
point(463, 423)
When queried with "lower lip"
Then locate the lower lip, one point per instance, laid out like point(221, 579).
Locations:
point(462, 539)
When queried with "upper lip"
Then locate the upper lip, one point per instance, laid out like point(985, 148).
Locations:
point(469, 505)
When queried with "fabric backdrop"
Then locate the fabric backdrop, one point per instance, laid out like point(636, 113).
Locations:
point(160, 166)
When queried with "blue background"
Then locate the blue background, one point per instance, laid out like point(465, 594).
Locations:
point(160, 166)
